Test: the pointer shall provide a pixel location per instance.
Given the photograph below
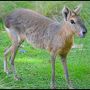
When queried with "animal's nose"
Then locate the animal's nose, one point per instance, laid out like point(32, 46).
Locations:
point(85, 31)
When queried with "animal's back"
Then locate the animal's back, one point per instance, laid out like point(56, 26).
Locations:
point(23, 19)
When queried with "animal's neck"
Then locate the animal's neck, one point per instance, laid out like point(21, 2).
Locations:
point(66, 36)
point(67, 31)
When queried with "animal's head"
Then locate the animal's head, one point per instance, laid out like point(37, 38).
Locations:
point(73, 19)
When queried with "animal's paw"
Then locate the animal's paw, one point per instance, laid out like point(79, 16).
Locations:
point(70, 86)
point(8, 72)
point(17, 78)
point(53, 86)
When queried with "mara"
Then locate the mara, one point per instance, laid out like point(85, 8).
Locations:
point(43, 32)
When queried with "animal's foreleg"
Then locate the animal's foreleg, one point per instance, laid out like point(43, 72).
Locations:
point(64, 62)
point(53, 57)
point(13, 54)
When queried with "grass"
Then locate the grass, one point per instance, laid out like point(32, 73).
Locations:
point(33, 65)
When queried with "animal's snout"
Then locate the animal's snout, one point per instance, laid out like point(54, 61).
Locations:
point(82, 33)
point(85, 31)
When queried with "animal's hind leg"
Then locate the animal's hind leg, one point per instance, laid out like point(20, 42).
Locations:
point(13, 54)
point(6, 52)
point(17, 39)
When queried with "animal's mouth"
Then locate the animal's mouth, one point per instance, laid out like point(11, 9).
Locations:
point(81, 34)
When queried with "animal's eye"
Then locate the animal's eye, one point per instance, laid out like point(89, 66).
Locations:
point(72, 22)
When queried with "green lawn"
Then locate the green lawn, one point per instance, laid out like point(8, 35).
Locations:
point(34, 67)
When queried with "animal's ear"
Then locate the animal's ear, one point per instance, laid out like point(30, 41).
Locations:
point(65, 12)
point(78, 9)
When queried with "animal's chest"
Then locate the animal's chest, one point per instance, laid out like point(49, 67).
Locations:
point(66, 47)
